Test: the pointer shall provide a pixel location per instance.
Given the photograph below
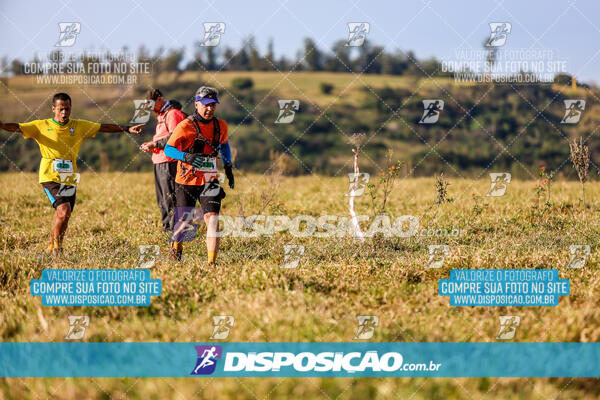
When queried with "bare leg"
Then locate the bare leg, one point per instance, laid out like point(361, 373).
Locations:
point(212, 241)
point(59, 226)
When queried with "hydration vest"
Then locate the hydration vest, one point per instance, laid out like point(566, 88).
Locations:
point(200, 141)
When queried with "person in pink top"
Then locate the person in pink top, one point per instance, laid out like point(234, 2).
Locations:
point(168, 115)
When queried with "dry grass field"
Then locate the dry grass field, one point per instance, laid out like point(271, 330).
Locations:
point(336, 280)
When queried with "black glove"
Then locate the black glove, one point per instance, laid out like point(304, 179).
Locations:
point(229, 174)
point(194, 158)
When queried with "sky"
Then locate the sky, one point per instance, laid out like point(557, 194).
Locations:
point(430, 28)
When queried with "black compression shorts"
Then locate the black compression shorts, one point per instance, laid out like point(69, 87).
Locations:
point(208, 195)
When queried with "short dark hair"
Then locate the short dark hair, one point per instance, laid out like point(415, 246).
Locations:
point(61, 96)
point(153, 94)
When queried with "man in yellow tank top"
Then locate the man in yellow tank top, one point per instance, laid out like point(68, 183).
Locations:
point(59, 139)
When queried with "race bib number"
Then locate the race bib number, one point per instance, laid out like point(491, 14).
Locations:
point(209, 164)
point(59, 165)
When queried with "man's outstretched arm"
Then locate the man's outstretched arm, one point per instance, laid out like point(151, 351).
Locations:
point(196, 159)
point(11, 127)
point(110, 128)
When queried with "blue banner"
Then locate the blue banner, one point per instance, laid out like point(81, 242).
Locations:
point(299, 359)
point(95, 287)
point(504, 287)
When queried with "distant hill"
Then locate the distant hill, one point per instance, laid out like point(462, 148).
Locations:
point(506, 128)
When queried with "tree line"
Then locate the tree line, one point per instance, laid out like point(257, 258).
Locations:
point(368, 58)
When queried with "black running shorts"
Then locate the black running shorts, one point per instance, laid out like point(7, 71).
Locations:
point(59, 194)
point(208, 195)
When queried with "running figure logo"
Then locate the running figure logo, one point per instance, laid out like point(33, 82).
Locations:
point(498, 34)
point(292, 254)
point(68, 33)
point(186, 223)
point(141, 114)
point(212, 33)
point(499, 184)
point(366, 326)
point(431, 112)
point(212, 188)
point(222, 325)
point(207, 359)
point(358, 33)
point(573, 111)
point(68, 183)
point(287, 110)
point(357, 184)
point(508, 327)
point(77, 326)
point(579, 255)
point(437, 255)
point(148, 255)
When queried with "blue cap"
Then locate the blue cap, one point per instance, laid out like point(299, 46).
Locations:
point(207, 95)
